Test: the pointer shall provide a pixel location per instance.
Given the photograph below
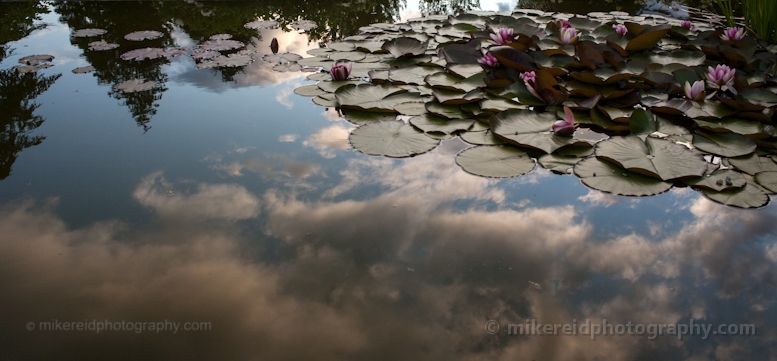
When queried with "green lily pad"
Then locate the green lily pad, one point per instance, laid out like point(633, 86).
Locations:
point(564, 160)
point(449, 81)
point(391, 138)
point(433, 123)
point(332, 86)
point(405, 47)
point(687, 58)
point(767, 180)
point(753, 164)
point(347, 55)
point(453, 97)
point(529, 129)
point(654, 157)
point(724, 144)
point(647, 40)
point(733, 125)
point(749, 196)
point(325, 100)
point(643, 123)
point(495, 161)
point(481, 138)
point(611, 178)
point(411, 108)
point(360, 117)
point(465, 70)
point(378, 98)
point(309, 90)
point(447, 111)
point(316, 61)
point(412, 74)
point(719, 180)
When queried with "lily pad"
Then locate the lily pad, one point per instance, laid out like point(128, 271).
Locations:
point(611, 178)
point(658, 158)
point(285, 67)
point(36, 59)
point(767, 180)
point(411, 108)
point(360, 117)
point(724, 144)
point(495, 161)
point(749, 196)
point(433, 123)
point(261, 24)
point(486, 137)
point(83, 70)
point(143, 35)
point(332, 86)
point(310, 90)
point(380, 98)
point(753, 164)
point(412, 75)
point(303, 25)
point(221, 45)
point(564, 160)
point(88, 33)
point(391, 138)
point(405, 46)
point(529, 129)
point(135, 85)
point(145, 53)
point(719, 180)
point(230, 61)
point(102, 46)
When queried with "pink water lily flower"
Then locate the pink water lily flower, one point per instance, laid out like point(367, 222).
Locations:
point(503, 35)
point(563, 24)
point(620, 29)
point(695, 91)
point(687, 24)
point(529, 77)
point(567, 126)
point(489, 60)
point(568, 35)
point(341, 71)
point(733, 34)
point(721, 75)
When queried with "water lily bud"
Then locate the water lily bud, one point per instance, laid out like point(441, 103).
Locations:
point(567, 126)
point(687, 24)
point(341, 71)
point(563, 24)
point(529, 77)
point(695, 91)
point(568, 35)
point(620, 29)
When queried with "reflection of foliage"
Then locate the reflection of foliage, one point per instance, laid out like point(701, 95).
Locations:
point(629, 6)
point(17, 91)
point(109, 67)
point(17, 21)
point(455, 7)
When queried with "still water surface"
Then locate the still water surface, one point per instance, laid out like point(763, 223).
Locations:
point(220, 196)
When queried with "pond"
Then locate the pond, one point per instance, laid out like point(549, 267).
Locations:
point(220, 215)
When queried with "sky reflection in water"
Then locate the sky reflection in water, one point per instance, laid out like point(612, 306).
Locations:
point(239, 203)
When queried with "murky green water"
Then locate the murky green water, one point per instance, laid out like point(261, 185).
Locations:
point(220, 196)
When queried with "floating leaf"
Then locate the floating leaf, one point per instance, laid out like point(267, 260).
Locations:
point(332, 86)
point(36, 59)
point(361, 117)
point(261, 24)
point(88, 33)
point(724, 144)
point(102, 46)
point(718, 180)
point(83, 70)
point(380, 98)
point(749, 196)
point(412, 75)
point(309, 90)
point(529, 129)
point(497, 161)
point(391, 138)
point(434, 123)
point(143, 35)
point(221, 45)
point(233, 60)
point(647, 40)
point(286, 67)
point(149, 53)
point(611, 178)
point(653, 157)
point(411, 108)
point(481, 138)
point(405, 47)
point(752, 164)
point(564, 163)
point(767, 180)
point(135, 85)
point(220, 37)
point(643, 123)
point(303, 25)
point(447, 111)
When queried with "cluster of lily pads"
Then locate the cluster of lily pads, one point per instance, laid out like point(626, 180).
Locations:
point(632, 105)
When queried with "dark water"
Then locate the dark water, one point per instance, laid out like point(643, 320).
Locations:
point(220, 200)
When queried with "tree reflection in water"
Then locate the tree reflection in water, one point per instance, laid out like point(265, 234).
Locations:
point(17, 108)
point(17, 20)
